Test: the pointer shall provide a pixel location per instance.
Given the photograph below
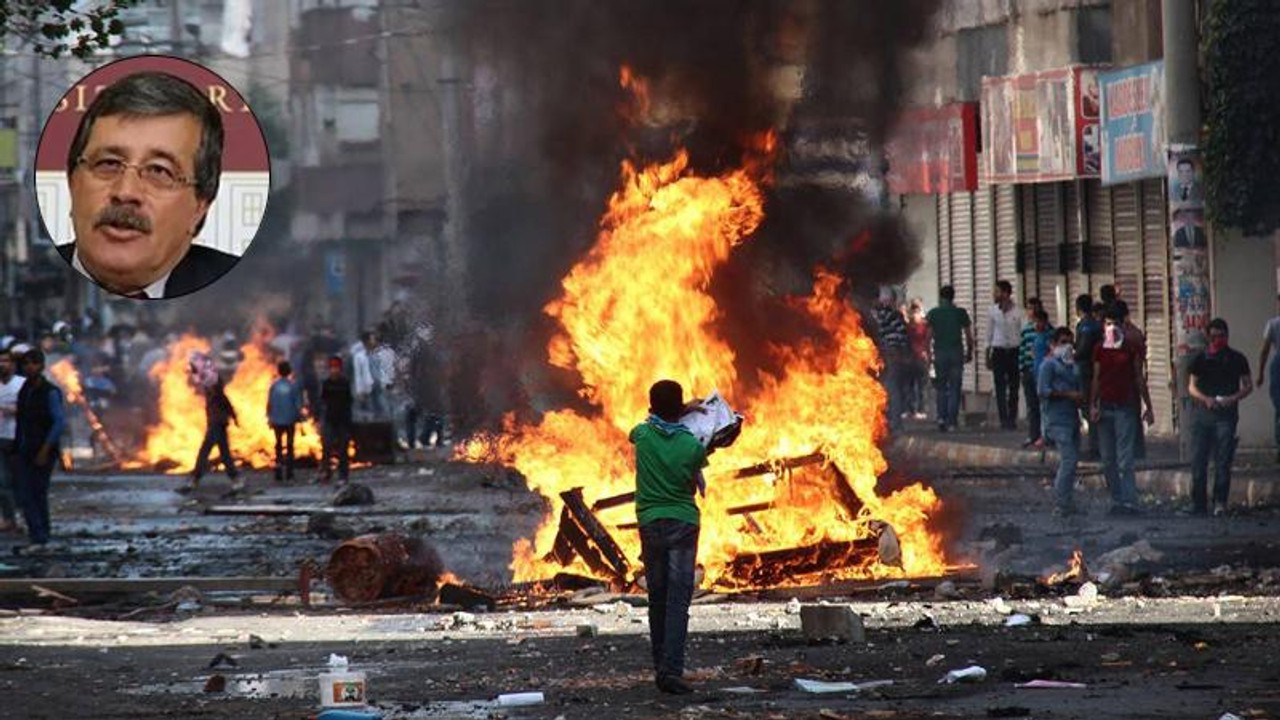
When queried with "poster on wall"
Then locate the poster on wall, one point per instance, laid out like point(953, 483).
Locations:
point(1190, 247)
point(1132, 124)
point(1041, 127)
point(934, 150)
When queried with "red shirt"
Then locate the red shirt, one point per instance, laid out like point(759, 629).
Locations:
point(1116, 383)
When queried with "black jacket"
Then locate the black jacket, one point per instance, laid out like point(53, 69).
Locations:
point(199, 267)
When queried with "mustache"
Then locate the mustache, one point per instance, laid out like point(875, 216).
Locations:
point(122, 216)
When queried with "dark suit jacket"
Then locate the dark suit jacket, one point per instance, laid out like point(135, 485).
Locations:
point(199, 267)
point(1190, 236)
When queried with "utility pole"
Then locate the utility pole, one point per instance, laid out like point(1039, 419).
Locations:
point(1189, 282)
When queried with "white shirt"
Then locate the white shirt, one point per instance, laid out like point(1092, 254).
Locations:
point(154, 291)
point(1005, 328)
point(9, 407)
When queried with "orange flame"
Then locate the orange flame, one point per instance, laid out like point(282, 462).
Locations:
point(636, 309)
point(68, 378)
point(172, 443)
point(1075, 570)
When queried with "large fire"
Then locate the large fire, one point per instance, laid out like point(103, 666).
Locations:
point(636, 309)
point(173, 441)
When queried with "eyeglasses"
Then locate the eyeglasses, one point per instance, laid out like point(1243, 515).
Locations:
point(155, 175)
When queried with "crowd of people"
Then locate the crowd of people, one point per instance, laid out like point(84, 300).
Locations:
point(1085, 386)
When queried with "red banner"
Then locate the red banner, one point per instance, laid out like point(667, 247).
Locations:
point(935, 150)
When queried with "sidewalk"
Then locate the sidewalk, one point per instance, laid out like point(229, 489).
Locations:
point(986, 452)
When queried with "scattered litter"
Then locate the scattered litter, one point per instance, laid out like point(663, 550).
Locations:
point(793, 607)
point(935, 660)
point(588, 630)
point(823, 686)
point(215, 684)
point(998, 604)
point(1017, 619)
point(973, 673)
point(1088, 592)
point(522, 698)
point(1049, 684)
point(342, 687)
point(743, 690)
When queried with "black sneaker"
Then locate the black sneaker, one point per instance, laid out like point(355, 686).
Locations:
point(673, 685)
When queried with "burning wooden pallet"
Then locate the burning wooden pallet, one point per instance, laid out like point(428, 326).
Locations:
point(582, 534)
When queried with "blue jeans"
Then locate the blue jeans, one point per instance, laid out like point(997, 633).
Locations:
point(949, 376)
point(1117, 439)
point(31, 489)
point(893, 377)
point(215, 435)
point(1067, 439)
point(669, 549)
point(1213, 434)
point(1275, 396)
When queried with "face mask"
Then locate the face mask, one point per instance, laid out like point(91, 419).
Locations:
point(1217, 345)
point(1114, 337)
point(1065, 353)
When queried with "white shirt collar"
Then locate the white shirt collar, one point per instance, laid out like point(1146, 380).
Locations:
point(154, 291)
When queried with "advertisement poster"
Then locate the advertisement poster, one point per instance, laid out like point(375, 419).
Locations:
point(1042, 126)
point(1133, 134)
point(1190, 247)
point(935, 150)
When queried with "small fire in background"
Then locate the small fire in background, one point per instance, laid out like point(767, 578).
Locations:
point(68, 378)
point(172, 442)
point(1076, 570)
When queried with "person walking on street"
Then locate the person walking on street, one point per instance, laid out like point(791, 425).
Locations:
point(1088, 333)
point(1058, 387)
point(950, 344)
point(1218, 380)
point(918, 367)
point(284, 410)
point(669, 462)
point(1118, 386)
point(1270, 347)
point(1138, 341)
point(336, 404)
point(10, 385)
point(895, 350)
point(40, 420)
point(1033, 331)
point(218, 413)
point(1004, 332)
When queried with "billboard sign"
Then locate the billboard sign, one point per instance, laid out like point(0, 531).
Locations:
point(1133, 134)
point(1041, 127)
point(935, 150)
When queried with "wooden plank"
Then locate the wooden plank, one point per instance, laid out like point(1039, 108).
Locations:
point(76, 587)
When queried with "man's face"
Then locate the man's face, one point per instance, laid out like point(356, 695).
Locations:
point(997, 294)
point(6, 366)
point(1186, 174)
point(1217, 335)
point(32, 368)
point(129, 233)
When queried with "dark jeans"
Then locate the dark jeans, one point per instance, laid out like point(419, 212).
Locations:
point(917, 373)
point(1213, 435)
point(948, 376)
point(284, 449)
point(336, 439)
point(7, 482)
point(31, 488)
point(215, 435)
point(893, 378)
point(1275, 395)
point(1004, 374)
point(669, 549)
point(1090, 444)
point(1033, 405)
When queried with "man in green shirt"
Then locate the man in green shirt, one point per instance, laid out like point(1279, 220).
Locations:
point(950, 343)
point(669, 462)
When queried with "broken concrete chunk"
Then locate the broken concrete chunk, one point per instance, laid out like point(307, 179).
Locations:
point(352, 494)
point(588, 630)
point(821, 623)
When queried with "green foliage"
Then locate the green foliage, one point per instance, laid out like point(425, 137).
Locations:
point(57, 27)
point(1242, 145)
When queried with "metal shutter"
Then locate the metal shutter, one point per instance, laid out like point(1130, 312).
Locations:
point(1049, 227)
point(1128, 244)
point(1007, 236)
point(1077, 241)
point(983, 274)
point(944, 240)
point(1028, 252)
point(1155, 317)
point(962, 257)
point(1101, 250)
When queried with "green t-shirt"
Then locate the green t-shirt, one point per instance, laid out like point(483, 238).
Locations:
point(666, 465)
point(948, 323)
